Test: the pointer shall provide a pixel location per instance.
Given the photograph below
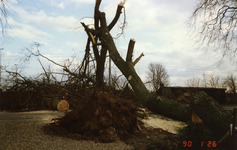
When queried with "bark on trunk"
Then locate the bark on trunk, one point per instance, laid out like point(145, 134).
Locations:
point(100, 66)
point(169, 108)
point(164, 106)
point(211, 113)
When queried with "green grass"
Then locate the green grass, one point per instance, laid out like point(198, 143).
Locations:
point(151, 147)
point(141, 140)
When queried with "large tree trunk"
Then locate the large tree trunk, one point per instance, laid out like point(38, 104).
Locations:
point(211, 113)
point(100, 66)
point(163, 106)
point(167, 107)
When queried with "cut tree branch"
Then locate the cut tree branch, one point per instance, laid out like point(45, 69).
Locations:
point(103, 20)
point(117, 15)
point(96, 14)
point(90, 32)
point(135, 62)
point(130, 50)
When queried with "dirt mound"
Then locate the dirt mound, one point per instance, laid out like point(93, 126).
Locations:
point(103, 116)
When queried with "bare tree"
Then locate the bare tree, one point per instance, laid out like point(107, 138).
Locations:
point(214, 24)
point(214, 81)
point(71, 74)
point(207, 81)
point(193, 82)
point(118, 82)
point(230, 82)
point(157, 76)
point(4, 12)
point(204, 82)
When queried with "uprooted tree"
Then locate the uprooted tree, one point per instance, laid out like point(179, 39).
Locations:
point(99, 36)
point(102, 113)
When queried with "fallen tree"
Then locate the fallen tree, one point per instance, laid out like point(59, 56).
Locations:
point(211, 113)
point(102, 115)
point(156, 104)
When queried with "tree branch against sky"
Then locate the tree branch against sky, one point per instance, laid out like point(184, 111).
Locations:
point(207, 80)
point(157, 26)
point(213, 23)
point(4, 12)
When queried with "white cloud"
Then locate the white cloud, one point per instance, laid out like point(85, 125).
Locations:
point(83, 1)
point(73, 44)
point(14, 1)
point(60, 23)
point(11, 58)
point(61, 5)
point(28, 32)
point(152, 15)
point(10, 54)
point(58, 51)
point(54, 3)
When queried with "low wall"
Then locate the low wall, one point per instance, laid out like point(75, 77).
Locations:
point(231, 98)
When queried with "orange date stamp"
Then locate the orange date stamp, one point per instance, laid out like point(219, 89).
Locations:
point(202, 144)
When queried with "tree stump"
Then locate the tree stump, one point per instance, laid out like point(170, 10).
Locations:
point(214, 116)
point(59, 105)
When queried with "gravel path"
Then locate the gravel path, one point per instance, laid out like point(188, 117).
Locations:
point(27, 134)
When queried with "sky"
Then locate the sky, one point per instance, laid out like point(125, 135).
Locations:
point(158, 26)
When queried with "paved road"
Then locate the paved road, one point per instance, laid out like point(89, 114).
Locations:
point(23, 131)
point(229, 107)
point(33, 115)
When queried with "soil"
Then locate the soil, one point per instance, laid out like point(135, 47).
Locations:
point(149, 139)
point(105, 117)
